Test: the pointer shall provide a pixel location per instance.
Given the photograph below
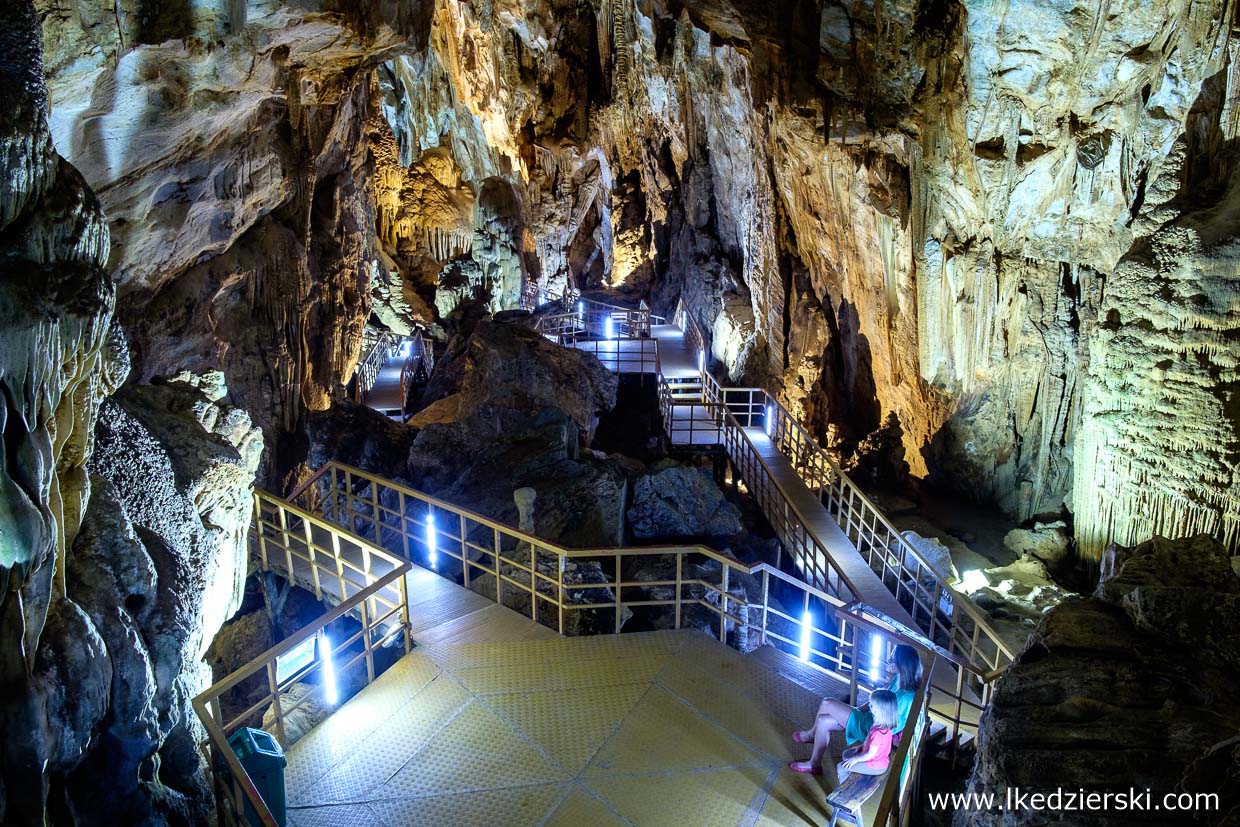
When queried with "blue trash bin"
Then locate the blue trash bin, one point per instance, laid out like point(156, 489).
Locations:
point(264, 761)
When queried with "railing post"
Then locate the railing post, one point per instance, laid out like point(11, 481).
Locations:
point(258, 525)
point(404, 524)
point(723, 605)
point(314, 560)
point(856, 661)
point(499, 547)
point(766, 600)
point(274, 688)
point(404, 613)
point(618, 580)
point(559, 595)
point(533, 582)
point(680, 559)
point(367, 612)
point(284, 541)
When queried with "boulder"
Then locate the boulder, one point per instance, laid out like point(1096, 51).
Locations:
point(1131, 687)
point(359, 436)
point(1047, 542)
point(681, 502)
point(510, 366)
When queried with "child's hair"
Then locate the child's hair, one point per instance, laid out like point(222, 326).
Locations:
point(884, 708)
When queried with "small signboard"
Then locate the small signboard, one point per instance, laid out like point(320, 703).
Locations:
point(295, 660)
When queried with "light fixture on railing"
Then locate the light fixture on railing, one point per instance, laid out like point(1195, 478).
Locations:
point(432, 553)
point(331, 692)
point(876, 657)
point(701, 361)
point(609, 328)
point(581, 311)
point(767, 424)
point(806, 630)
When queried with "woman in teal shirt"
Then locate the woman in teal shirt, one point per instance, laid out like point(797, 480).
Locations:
point(856, 722)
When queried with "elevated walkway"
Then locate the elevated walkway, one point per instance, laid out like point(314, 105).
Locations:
point(647, 728)
point(386, 396)
point(865, 583)
point(496, 718)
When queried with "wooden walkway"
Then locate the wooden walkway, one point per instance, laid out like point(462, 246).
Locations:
point(384, 397)
point(821, 525)
point(441, 612)
point(695, 425)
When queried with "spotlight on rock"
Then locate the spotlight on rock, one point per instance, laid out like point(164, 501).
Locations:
point(971, 580)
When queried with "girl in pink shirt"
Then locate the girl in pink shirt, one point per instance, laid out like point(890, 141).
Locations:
point(872, 757)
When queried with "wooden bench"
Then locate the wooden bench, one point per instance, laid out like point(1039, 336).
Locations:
point(847, 798)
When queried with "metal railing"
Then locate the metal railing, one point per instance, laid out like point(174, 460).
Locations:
point(379, 346)
point(363, 580)
point(587, 319)
point(957, 623)
point(534, 297)
point(528, 575)
point(419, 362)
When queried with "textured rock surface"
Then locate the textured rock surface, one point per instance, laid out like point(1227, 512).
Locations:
point(1127, 688)
point(678, 503)
point(943, 213)
point(55, 307)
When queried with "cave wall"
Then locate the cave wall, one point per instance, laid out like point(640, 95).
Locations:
point(123, 513)
point(876, 209)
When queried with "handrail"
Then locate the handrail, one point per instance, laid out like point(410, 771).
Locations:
point(234, 797)
point(783, 420)
point(464, 529)
point(533, 296)
point(367, 370)
point(421, 356)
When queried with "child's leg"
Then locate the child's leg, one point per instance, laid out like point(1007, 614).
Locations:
point(865, 769)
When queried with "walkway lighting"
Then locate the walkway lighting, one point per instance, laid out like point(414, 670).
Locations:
point(330, 690)
point(432, 552)
point(876, 657)
point(581, 311)
point(609, 328)
point(807, 626)
point(766, 426)
point(701, 361)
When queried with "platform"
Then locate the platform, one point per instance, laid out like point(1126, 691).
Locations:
point(656, 728)
point(385, 396)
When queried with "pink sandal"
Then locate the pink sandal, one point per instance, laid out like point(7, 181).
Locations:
point(805, 767)
point(799, 738)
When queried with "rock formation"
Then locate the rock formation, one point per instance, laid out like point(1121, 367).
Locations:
point(121, 520)
point(676, 502)
point(991, 246)
point(917, 223)
point(1133, 687)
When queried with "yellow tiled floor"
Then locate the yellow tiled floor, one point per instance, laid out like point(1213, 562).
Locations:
point(642, 729)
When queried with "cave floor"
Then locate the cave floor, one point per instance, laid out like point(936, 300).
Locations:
point(643, 729)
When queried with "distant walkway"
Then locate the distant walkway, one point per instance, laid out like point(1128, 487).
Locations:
point(680, 365)
point(385, 396)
